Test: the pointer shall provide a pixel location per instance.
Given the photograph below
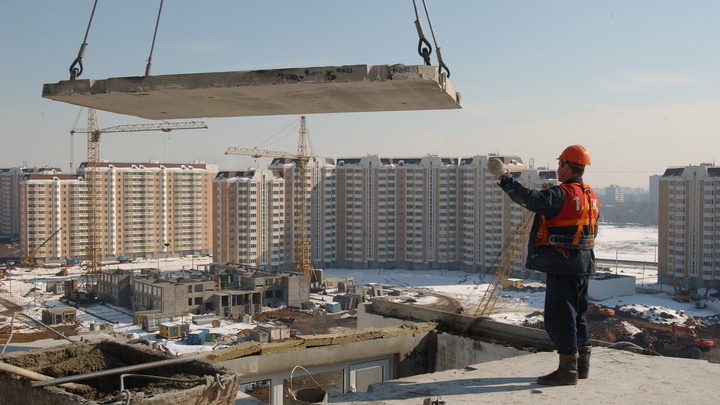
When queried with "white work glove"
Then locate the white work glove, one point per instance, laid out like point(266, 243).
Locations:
point(497, 168)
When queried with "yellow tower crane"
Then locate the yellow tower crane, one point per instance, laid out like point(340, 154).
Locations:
point(303, 264)
point(510, 253)
point(93, 252)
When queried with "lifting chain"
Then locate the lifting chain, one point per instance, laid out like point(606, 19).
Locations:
point(424, 47)
point(76, 68)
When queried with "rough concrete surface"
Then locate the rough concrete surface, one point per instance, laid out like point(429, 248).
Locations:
point(366, 334)
point(616, 377)
point(314, 90)
point(201, 383)
point(234, 352)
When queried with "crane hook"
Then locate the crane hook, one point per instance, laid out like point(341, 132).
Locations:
point(425, 51)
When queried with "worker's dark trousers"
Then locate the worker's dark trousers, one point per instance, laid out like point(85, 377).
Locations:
point(566, 302)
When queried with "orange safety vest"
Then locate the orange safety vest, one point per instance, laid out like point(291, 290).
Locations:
point(574, 226)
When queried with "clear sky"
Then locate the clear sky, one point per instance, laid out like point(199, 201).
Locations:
point(636, 82)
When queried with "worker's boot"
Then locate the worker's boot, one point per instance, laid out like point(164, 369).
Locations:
point(566, 374)
point(584, 361)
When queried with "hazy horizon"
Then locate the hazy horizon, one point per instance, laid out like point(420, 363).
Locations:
point(634, 82)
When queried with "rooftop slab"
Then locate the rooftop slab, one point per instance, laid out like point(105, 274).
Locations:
point(314, 90)
point(616, 377)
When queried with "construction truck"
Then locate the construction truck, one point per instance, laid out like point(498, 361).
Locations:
point(124, 259)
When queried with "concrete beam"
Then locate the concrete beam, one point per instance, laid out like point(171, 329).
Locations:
point(315, 90)
point(381, 310)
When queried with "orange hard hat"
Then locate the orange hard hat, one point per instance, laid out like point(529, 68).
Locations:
point(576, 154)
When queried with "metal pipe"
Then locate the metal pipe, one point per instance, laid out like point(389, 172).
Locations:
point(119, 370)
point(9, 368)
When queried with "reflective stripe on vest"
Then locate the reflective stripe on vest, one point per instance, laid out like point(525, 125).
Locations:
point(580, 211)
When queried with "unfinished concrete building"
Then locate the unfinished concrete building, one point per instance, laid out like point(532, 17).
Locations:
point(263, 288)
point(175, 296)
point(113, 287)
point(229, 290)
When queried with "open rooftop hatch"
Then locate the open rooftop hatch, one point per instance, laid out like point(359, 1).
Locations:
point(314, 90)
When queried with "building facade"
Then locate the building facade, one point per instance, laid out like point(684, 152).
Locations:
point(614, 194)
point(688, 237)
point(147, 210)
point(256, 214)
point(229, 290)
point(10, 179)
point(371, 212)
point(250, 217)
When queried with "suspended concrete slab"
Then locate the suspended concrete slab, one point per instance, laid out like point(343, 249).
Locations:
point(317, 90)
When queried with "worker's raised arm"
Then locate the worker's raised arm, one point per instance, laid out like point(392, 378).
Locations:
point(547, 202)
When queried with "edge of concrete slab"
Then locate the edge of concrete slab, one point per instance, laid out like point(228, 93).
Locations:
point(616, 376)
point(313, 90)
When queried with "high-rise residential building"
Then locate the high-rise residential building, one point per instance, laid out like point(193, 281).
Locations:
point(688, 235)
point(256, 214)
point(654, 192)
point(320, 216)
point(487, 217)
point(373, 212)
point(397, 212)
point(10, 197)
point(147, 210)
point(614, 194)
point(250, 217)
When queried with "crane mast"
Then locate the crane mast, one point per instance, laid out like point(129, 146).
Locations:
point(510, 254)
point(93, 251)
point(93, 254)
point(301, 245)
point(303, 264)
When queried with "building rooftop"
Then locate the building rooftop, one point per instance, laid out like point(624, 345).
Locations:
point(616, 377)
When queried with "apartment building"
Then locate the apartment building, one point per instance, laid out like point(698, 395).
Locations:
point(487, 217)
point(688, 237)
point(396, 212)
point(320, 216)
point(250, 217)
point(10, 179)
point(147, 210)
point(614, 194)
point(371, 212)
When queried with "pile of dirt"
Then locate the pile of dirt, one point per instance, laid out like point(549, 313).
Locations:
point(10, 250)
point(628, 326)
point(311, 324)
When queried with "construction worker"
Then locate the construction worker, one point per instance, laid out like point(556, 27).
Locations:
point(561, 245)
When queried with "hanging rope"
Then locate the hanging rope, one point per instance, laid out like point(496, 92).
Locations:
point(76, 68)
point(427, 50)
point(152, 47)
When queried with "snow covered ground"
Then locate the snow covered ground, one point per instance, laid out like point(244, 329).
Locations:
point(626, 242)
point(621, 243)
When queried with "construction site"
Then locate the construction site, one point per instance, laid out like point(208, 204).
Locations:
point(629, 330)
point(116, 326)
